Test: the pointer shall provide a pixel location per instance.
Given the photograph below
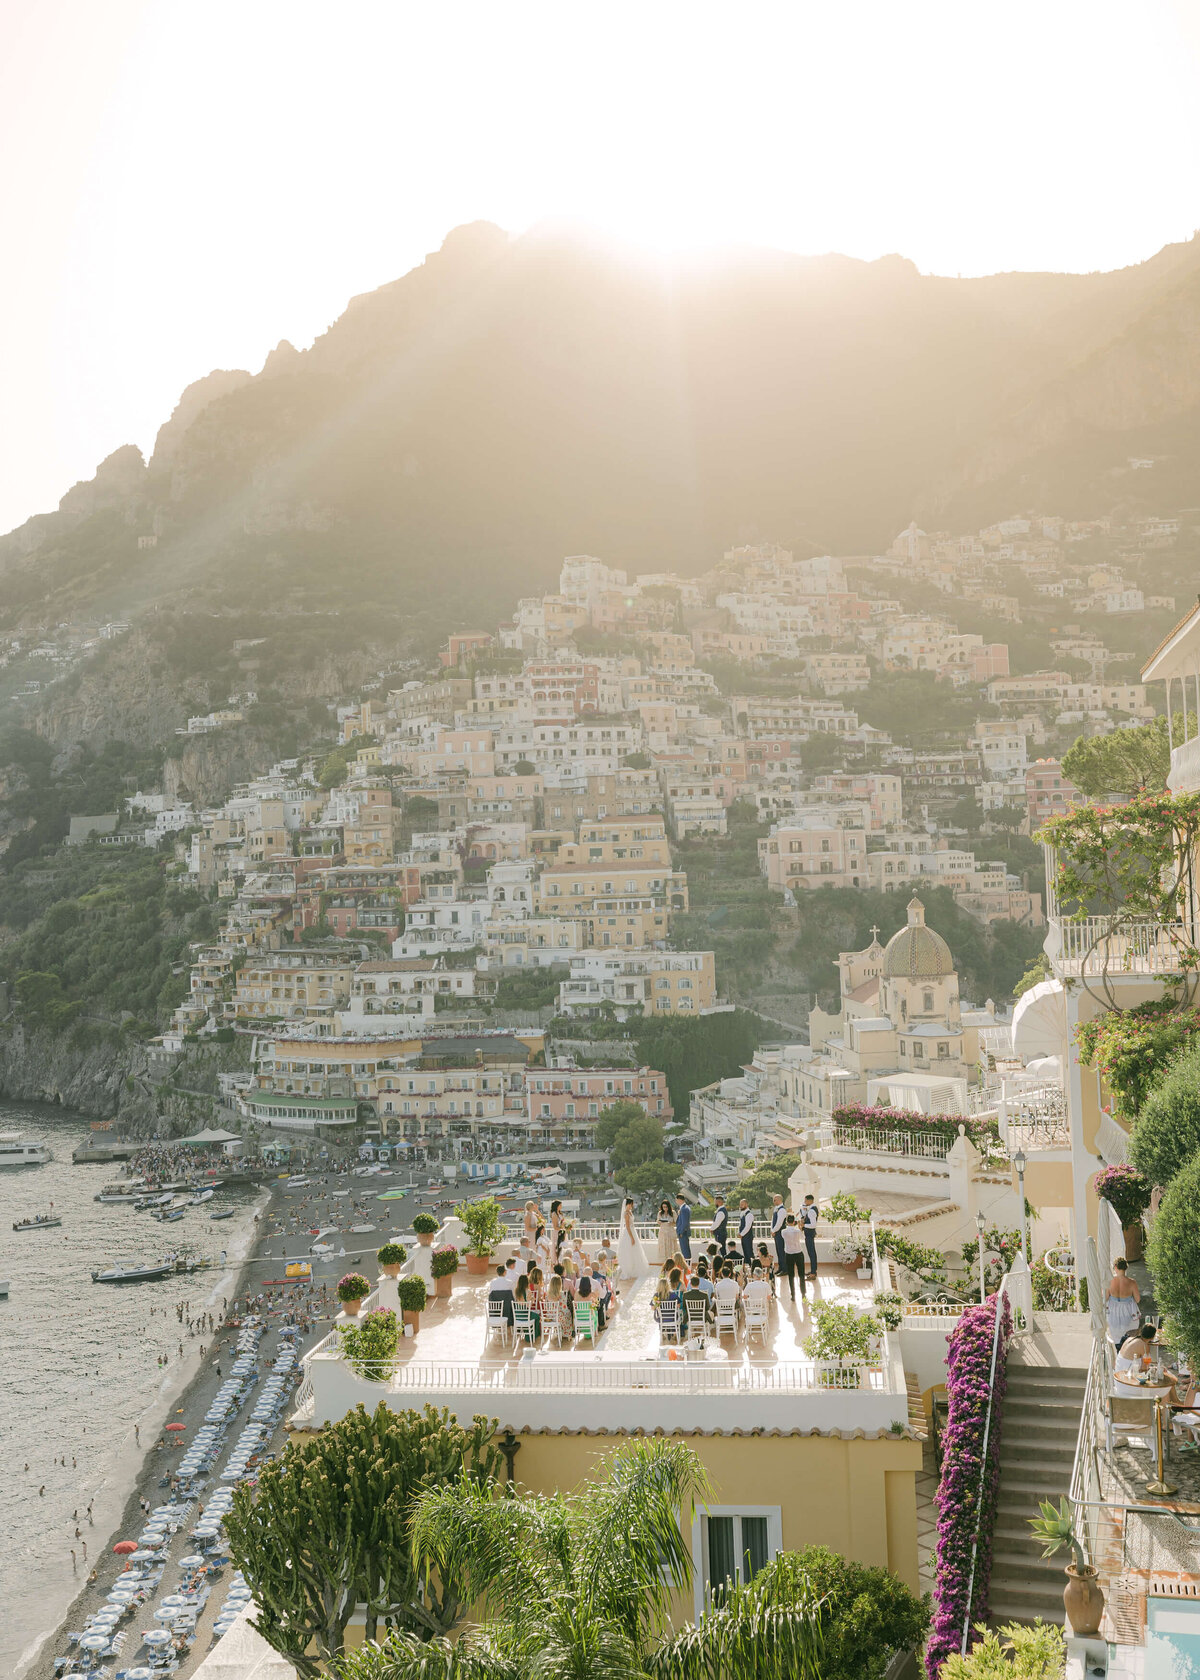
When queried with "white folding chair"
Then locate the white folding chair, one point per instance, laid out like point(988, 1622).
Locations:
point(552, 1323)
point(497, 1321)
point(668, 1320)
point(697, 1319)
point(756, 1319)
point(524, 1325)
point(726, 1318)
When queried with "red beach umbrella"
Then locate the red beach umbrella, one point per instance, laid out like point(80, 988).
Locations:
point(124, 1547)
point(172, 1427)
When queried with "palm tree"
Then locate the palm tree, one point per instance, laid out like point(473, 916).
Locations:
point(580, 1587)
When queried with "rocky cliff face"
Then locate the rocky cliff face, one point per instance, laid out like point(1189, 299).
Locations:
point(457, 431)
point(108, 1080)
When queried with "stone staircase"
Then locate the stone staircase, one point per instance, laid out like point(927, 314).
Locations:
point(1040, 1424)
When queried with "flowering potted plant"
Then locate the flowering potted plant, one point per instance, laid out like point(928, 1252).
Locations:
point(481, 1222)
point(444, 1265)
point(352, 1291)
point(413, 1296)
point(391, 1257)
point(426, 1228)
point(370, 1345)
point(1127, 1193)
point(1082, 1596)
point(846, 1209)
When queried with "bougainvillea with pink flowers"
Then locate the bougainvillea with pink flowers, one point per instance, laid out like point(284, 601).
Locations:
point(907, 1120)
point(1125, 1190)
point(968, 1480)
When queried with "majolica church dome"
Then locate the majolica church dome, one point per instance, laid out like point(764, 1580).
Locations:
point(917, 952)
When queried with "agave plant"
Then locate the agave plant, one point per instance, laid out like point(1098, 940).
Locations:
point(1055, 1529)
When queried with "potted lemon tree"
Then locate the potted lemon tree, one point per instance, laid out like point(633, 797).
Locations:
point(481, 1221)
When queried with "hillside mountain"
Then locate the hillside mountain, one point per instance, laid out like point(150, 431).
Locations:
point(512, 400)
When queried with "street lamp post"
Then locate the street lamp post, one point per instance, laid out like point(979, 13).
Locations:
point(979, 1223)
point(1019, 1163)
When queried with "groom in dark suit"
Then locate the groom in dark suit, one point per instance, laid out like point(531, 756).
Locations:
point(683, 1228)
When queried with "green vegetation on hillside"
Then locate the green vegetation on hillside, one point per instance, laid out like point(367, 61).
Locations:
point(99, 932)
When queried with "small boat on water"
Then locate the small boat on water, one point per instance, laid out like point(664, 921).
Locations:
point(135, 1274)
point(154, 1201)
point(18, 1151)
point(40, 1222)
point(119, 1193)
point(222, 1213)
point(201, 1196)
point(167, 1215)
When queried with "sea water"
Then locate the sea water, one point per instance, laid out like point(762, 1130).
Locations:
point(79, 1364)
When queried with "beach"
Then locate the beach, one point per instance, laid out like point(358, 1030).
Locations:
point(256, 1256)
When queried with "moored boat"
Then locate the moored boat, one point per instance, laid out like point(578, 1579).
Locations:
point(18, 1151)
point(222, 1213)
point(135, 1274)
point(40, 1222)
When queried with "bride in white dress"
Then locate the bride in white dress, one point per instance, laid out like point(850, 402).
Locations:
point(631, 1256)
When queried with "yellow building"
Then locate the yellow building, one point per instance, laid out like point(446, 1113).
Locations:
point(797, 1455)
point(291, 985)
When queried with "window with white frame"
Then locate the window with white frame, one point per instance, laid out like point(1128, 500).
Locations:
point(732, 1544)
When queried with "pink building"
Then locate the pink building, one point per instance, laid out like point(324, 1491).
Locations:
point(558, 1096)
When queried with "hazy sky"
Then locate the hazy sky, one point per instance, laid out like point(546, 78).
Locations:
point(184, 182)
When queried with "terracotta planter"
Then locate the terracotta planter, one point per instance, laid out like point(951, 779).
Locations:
point(1084, 1601)
point(413, 1318)
point(352, 1308)
point(443, 1285)
point(1134, 1243)
point(425, 1238)
point(479, 1264)
point(391, 1271)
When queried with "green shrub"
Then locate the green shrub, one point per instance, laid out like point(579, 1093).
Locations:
point(1166, 1133)
point(889, 1308)
point(1134, 1047)
point(842, 1332)
point(445, 1261)
point(918, 1257)
point(481, 1221)
point(413, 1294)
point(866, 1613)
point(1174, 1257)
point(370, 1346)
point(391, 1254)
point(353, 1287)
point(424, 1224)
point(1024, 1653)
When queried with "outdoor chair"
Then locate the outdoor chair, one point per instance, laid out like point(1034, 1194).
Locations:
point(726, 1318)
point(524, 1325)
point(1127, 1417)
point(756, 1319)
point(668, 1320)
point(586, 1322)
point(497, 1321)
point(552, 1323)
point(697, 1320)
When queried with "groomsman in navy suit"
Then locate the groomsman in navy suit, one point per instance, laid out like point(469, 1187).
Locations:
point(746, 1229)
point(683, 1228)
point(720, 1222)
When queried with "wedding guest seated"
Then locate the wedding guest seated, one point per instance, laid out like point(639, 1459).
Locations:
point(522, 1298)
point(502, 1290)
point(758, 1289)
point(702, 1280)
point(725, 1289)
point(585, 1294)
point(764, 1258)
point(555, 1299)
point(694, 1296)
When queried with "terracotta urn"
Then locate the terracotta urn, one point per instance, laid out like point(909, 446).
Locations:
point(479, 1264)
point(443, 1285)
point(425, 1238)
point(413, 1319)
point(352, 1308)
point(1083, 1601)
point(391, 1271)
point(1134, 1243)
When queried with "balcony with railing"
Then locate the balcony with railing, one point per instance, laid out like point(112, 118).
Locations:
point(631, 1377)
